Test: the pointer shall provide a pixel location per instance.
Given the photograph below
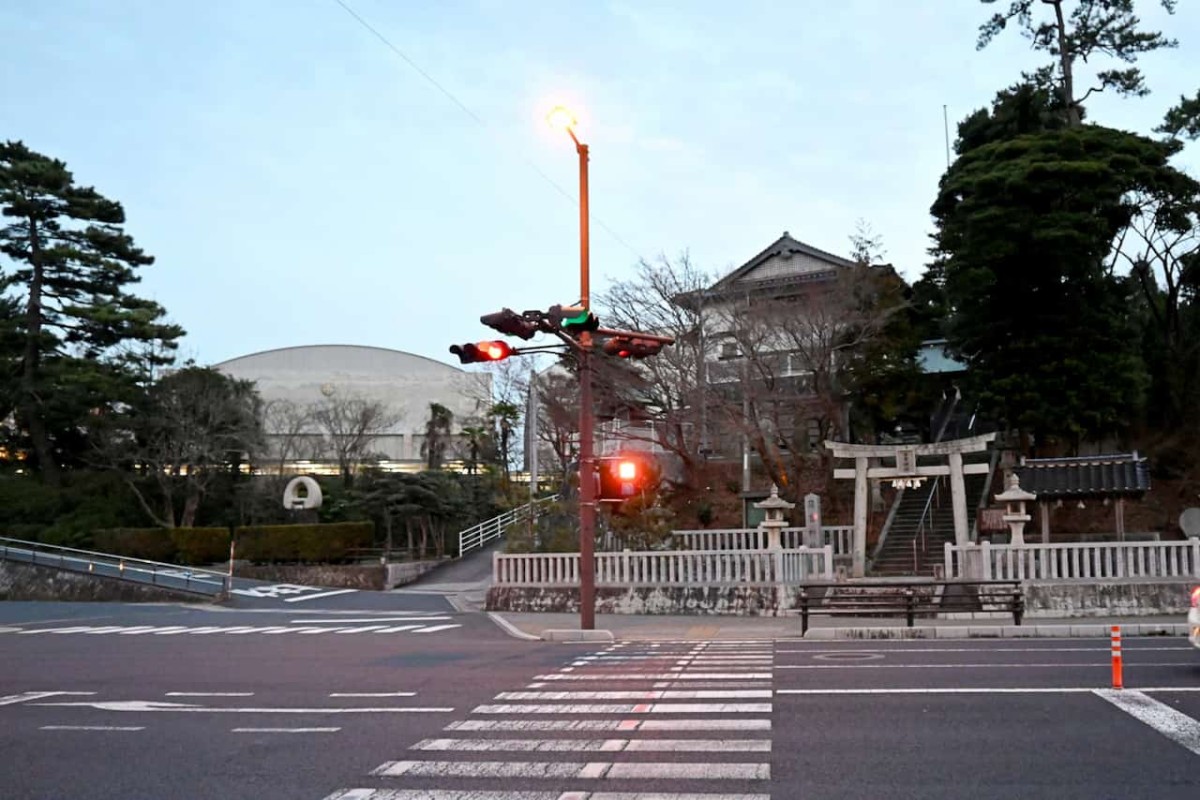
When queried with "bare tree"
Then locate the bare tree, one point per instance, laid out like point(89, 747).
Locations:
point(291, 430)
point(349, 426)
point(800, 355)
point(558, 417)
point(668, 298)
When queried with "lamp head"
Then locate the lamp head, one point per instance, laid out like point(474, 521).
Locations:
point(561, 118)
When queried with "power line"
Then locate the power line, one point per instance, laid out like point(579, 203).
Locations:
point(463, 107)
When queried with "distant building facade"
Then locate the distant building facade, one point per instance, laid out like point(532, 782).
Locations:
point(404, 384)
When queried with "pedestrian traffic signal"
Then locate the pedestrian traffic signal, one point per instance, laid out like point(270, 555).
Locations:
point(573, 319)
point(631, 347)
point(510, 323)
point(481, 351)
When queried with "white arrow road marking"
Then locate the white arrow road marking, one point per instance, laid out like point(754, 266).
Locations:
point(25, 697)
point(153, 705)
point(302, 598)
point(1175, 725)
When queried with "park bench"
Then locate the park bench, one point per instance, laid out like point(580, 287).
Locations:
point(909, 600)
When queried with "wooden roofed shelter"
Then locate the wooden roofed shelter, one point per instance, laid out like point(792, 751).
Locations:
point(1117, 477)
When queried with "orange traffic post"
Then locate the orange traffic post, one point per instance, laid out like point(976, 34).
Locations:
point(1117, 681)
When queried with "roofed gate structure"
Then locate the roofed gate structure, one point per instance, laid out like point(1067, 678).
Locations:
point(1118, 477)
point(906, 471)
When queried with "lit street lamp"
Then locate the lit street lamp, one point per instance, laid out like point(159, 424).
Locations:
point(560, 117)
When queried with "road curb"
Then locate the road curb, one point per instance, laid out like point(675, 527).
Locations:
point(1087, 630)
point(574, 635)
point(510, 629)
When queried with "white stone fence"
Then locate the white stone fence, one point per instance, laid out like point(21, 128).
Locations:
point(838, 537)
point(1073, 561)
point(690, 568)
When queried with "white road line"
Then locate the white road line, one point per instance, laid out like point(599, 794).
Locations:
point(610, 725)
point(455, 794)
point(656, 694)
point(657, 676)
point(75, 629)
point(89, 728)
point(372, 694)
point(982, 690)
point(362, 629)
point(599, 745)
point(317, 596)
point(25, 697)
point(143, 705)
point(397, 618)
point(435, 628)
point(622, 708)
point(1175, 725)
point(209, 694)
point(901, 651)
point(568, 769)
point(841, 665)
point(286, 730)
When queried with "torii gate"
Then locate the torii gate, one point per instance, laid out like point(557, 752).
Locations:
point(907, 474)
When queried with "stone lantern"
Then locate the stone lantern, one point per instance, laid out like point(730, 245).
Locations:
point(1014, 499)
point(774, 506)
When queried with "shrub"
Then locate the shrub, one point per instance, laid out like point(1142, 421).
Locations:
point(318, 543)
point(152, 544)
point(199, 546)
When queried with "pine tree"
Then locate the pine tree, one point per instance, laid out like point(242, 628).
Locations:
point(82, 336)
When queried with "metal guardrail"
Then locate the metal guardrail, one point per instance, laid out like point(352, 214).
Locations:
point(107, 565)
point(478, 535)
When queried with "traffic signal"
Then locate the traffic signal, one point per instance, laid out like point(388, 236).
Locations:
point(510, 323)
point(481, 351)
point(621, 478)
point(631, 347)
point(573, 319)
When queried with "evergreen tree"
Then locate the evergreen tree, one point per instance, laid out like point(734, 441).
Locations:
point(84, 339)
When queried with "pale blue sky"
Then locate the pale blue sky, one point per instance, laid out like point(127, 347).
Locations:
point(300, 183)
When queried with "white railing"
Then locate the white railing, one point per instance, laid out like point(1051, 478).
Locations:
point(1074, 561)
point(694, 568)
point(478, 535)
point(836, 536)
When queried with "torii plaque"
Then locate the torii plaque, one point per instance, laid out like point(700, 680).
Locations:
point(907, 474)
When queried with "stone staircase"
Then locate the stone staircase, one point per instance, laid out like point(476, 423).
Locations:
point(913, 548)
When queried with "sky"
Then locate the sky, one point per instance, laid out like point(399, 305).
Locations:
point(304, 179)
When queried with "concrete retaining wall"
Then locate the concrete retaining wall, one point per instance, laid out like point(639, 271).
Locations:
point(734, 600)
point(1045, 600)
point(1132, 599)
point(31, 582)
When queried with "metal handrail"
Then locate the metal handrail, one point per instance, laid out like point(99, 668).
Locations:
point(478, 535)
point(127, 568)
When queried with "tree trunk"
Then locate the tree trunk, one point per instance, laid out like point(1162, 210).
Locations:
point(1074, 119)
point(191, 503)
point(29, 405)
point(409, 535)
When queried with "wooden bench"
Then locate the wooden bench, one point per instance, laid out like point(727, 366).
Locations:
point(910, 600)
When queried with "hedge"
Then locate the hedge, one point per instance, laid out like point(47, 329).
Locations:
point(330, 542)
point(170, 545)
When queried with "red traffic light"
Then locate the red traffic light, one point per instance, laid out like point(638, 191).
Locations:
point(481, 351)
point(622, 478)
point(631, 347)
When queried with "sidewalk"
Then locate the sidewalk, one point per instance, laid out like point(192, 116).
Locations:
point(634, 627)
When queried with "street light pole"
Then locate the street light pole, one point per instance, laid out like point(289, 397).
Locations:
point(561, 118)
point(587, 471)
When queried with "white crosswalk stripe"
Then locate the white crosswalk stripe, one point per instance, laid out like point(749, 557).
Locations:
point(200, 630)
point(644, 704)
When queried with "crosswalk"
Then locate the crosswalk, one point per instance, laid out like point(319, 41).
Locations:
point(633, 721)
point(422, 624)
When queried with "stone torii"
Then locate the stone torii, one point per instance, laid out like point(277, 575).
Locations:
point(907, 474)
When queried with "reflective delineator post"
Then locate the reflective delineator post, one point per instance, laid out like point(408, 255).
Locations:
point(1117, 681)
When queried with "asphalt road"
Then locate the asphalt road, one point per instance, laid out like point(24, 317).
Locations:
point(115, 701)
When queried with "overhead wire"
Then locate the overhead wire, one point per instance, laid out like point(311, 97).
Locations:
point(478, 120)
